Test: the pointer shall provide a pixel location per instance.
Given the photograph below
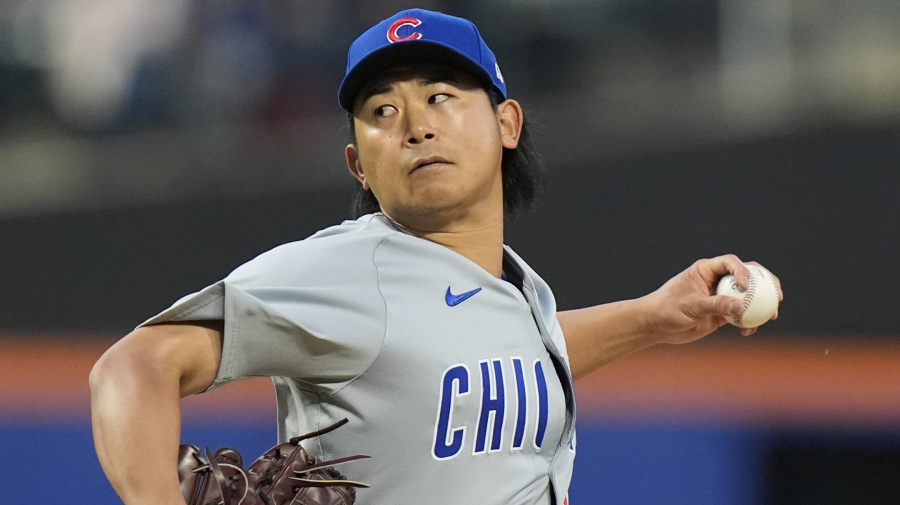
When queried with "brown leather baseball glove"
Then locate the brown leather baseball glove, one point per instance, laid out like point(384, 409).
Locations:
point(284, 475)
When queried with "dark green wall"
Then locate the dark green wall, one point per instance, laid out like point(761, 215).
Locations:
point(820, 209)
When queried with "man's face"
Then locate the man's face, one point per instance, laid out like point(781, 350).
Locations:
point(429, 145)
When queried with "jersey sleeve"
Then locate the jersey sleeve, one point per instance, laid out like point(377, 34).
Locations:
point(316, 322)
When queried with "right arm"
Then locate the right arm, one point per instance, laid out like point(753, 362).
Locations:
point(136, 388)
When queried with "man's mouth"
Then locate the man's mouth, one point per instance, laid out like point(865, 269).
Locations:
point(425, 162)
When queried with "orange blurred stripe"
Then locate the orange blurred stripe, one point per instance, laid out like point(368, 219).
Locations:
point(757, 380)
point(817, 381)
point(47, 379)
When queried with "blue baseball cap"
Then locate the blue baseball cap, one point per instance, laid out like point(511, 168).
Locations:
point(418, 36)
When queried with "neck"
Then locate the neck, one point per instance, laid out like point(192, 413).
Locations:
point(481, 242)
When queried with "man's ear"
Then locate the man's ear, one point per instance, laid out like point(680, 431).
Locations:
point(510, 117)
point(355, 166)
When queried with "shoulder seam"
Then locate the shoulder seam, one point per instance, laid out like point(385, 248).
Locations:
point(384, 317)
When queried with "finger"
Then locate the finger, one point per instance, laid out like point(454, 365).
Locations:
point(720, 305)
point(748, 331)
point(728, 264)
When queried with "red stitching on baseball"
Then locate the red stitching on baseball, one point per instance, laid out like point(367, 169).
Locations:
point(748, 298)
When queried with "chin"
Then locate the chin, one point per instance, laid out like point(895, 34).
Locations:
point(435, 199)
point(435, 209)
point(436, 204)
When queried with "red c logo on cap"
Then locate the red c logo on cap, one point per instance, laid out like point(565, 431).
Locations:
point(392, 31)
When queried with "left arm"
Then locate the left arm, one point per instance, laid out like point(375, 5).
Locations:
point(683, 310)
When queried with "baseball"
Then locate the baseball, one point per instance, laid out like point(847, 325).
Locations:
point(760, 299)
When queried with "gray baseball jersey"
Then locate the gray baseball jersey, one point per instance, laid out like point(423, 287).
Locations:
point(455, 382)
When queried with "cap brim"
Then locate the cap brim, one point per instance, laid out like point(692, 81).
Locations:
point(416, 51)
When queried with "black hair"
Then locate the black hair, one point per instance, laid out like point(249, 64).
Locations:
point(521, 168)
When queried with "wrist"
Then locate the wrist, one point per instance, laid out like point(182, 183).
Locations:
point(153, 495)
point(645, 313)
point(169, 500)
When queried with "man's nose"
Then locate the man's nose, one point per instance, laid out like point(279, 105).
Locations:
point(419, 125)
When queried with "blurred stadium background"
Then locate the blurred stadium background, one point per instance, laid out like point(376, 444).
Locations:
point(147, 148)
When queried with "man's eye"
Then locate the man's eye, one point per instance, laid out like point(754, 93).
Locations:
point(438, 98)
point(385, 110)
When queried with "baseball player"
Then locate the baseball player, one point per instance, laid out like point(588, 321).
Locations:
point(439, 343)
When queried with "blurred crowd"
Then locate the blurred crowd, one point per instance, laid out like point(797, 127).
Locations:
point(104, 65)
point(80, 70)
point(100, 65)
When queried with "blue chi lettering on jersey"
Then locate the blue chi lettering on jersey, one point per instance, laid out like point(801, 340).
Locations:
point(454, 300)
point(447, 442)
point(522, 404)
point(493, 405)
point(543, 403)
point(489, 427)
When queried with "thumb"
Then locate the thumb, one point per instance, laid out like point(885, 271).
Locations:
point(723, 305)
